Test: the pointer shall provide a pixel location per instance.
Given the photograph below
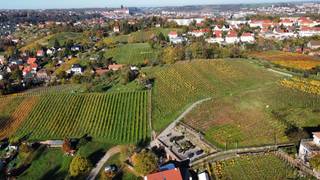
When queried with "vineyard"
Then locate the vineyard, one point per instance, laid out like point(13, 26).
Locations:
point(116, 117)
point(287, 59)
point(253, 167)
point(179, 85)
point(305, 85)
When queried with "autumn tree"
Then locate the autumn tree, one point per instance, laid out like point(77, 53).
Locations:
point(144, 162)
point(66, 146)
point(79, 166)
point(173, 54)
point(315, 162)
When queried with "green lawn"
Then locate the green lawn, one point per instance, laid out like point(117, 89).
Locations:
point(140, 36)
point(125, 175)
point(253, 167)
point(136, 53)
point(51, 164)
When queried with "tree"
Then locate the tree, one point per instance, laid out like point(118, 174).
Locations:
point(144, 162)
point(173, 54)
point(315, 162)
point(79, 166)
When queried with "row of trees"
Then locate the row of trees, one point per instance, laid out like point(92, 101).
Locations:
point(200, 50)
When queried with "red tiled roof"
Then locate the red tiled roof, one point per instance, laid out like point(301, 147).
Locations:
point(31, 60)
point(173, 174)
point(173, 33)
point(246, 34)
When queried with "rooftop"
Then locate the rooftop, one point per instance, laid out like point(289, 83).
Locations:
point(173, 174)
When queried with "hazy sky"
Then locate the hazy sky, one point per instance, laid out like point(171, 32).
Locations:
point(40, 4)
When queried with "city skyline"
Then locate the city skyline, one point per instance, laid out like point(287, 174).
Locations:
point(54, 4)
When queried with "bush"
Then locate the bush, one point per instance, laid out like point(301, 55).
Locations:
point(79, 166)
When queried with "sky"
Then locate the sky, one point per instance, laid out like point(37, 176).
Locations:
point(49, 4)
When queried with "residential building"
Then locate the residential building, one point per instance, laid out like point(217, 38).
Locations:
point(231, 37)
point(247, 37)
point(76, 69)
point(172, 174)
point(309, 147)
point(313, 44)
point(1, 59)
point(40, 53)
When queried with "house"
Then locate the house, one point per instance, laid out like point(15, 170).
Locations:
point(116, 29)
point(313, 44)
point(173, 35)
point(76, 69)
point(42, 75)
point(247, 37)
point(31, 60)
point(231, 37)
point(101, 71)
point(1, 59)
point(217, 37)
point(40, 53)
point(50, 51)
point(75, 48)
point(199, 33)
point(115, 67)
point(173, 174)
point(309, 147)
point(1, 75)
point(286, 22)
point(309, 31)
point(203, 176)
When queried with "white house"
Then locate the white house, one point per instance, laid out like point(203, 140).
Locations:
point(309, 147)
point(217, 37)
point(308, 31)
point(76, 69)
point(313, 44)
point(1, 59)
point(173, 34)
point(247, 37)
point(116, 29)
point(49, 51)
point(231, 38)
point(203, 176)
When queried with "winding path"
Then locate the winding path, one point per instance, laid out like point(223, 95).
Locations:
point(95, 171)
point(173, 124)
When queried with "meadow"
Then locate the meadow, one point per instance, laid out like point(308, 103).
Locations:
point(288, 59)
point(140, 36)
point(135, 53)
point(49, 40)
point(264, 166)
point(116, 117)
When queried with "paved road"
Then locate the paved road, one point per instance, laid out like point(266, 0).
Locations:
point(95, 171)
point(279, 72)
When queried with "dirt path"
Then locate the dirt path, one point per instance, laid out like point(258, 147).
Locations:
point(95, 171)
point(173, 124)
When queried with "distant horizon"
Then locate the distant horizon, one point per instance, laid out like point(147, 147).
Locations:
point(82, 4)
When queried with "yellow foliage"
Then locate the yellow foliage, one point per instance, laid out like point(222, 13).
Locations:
point(305, 85)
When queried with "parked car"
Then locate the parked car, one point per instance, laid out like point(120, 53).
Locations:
point(190, 155)
point(199, 152)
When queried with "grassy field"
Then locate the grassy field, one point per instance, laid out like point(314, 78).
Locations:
point(48, 41)
point(251, 167)
point(132, 53)
point(52, 163)
point(116, 117)
point(179, 85)
point(287, 59)
point(140, 36)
